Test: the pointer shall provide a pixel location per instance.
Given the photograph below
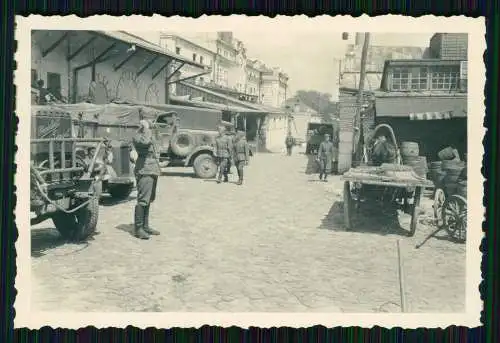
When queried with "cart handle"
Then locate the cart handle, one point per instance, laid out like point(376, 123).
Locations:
point(393, 137)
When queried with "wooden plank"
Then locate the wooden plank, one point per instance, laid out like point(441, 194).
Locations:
point(122, 63)
point(55, 44)
point(80, 49)
point(51, 154)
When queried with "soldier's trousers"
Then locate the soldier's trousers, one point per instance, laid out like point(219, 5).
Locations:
point(240, 165)
point(289, 150)
point(223, 167)
point(146, 189)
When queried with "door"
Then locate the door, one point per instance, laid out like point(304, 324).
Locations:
point(54, 84)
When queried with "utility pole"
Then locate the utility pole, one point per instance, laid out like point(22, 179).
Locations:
point(357, 125)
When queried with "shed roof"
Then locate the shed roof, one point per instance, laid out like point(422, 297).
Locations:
point(245, 104)
point(409, 106)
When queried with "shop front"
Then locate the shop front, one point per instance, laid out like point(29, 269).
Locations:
point(434, 122)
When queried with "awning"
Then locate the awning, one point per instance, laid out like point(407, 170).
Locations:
point(431, 115)
point(177, 100)
point(416, 107)
point(244, 104)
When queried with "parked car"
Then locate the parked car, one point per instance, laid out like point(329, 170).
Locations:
point(63, 186)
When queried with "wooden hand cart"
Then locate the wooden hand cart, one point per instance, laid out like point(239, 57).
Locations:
point(450, 210)
point(391, 186)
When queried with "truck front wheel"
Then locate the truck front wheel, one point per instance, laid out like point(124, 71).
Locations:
point(80, 225)
point(205, 167)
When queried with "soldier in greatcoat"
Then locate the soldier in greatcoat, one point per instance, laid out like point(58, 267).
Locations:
point(289, 142)
point(147, 170)
point(241, 154)
point(326, 153)
point(223, 153)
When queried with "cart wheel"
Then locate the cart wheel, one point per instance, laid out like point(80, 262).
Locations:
point(439, 199)
point(347, 205)
point(415, 211)
point(454, 216)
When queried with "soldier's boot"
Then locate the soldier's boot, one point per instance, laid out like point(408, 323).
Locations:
point(139, 223)
point(148, 229)
point(240, 177)
point(320, 176)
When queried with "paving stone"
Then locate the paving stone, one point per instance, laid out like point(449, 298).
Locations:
point(276, 243)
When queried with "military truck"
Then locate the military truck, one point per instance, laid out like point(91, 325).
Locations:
point(64, 177)
point(187, 137)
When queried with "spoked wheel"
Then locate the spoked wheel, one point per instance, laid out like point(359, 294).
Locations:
point(454, 217)
point(415, 211)
point(348, 205)
point(439, 199)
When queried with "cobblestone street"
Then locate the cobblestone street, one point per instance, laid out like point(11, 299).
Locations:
point(276, 243)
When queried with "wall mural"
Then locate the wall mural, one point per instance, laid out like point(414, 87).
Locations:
point(127, 87)
point(152, 94)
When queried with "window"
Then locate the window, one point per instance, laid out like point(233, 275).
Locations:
point(419, 79)
point(400, 79)
point(194, 57)
point(201, 59)
point(178, 50)
point(444, 78)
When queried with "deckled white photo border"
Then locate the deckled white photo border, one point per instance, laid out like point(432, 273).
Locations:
point(25, 317)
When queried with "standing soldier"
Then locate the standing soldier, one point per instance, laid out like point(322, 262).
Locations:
point(223, 152)
point(289, 141)
point(325, 158)
point(241, 154)
point(147, 170)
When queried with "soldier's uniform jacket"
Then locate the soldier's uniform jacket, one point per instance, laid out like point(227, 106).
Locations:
point(223, 146)
point(147, 161)
point(241, 150)
point(326, 151)
point(289, 141)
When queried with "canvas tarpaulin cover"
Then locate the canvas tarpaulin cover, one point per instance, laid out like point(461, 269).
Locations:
point(110, 114)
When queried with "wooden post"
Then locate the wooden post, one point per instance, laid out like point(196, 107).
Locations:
point(359, 100)
point(401, 280)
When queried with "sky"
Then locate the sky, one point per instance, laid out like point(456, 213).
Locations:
point(309, 58)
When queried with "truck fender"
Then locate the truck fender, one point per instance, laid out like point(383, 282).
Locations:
point(202, 148)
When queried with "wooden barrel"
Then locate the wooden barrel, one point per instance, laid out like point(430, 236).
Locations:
point(419, 164)
point(448, 164)
point(409, 149)
point(438, 177)
point(452, 175)
point(446, 154)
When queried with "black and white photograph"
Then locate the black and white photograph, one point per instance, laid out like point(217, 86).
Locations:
point(231, 166)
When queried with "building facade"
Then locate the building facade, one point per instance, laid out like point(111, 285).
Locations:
point(232, 72)
point(102, 66)
point(375, 60)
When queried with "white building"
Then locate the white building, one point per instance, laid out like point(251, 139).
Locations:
point(232, 72)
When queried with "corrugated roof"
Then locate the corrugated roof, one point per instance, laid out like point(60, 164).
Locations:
point(402, 106)
point(141, 43)
point(258, 107)
point(212, 105)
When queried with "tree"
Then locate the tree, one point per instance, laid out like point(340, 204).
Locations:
point(318, 101)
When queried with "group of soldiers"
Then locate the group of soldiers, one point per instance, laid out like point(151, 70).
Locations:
point(147, 169)
point(231, 149)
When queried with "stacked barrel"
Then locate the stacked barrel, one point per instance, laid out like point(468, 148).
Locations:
point(410, 155)
point(449, 172)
